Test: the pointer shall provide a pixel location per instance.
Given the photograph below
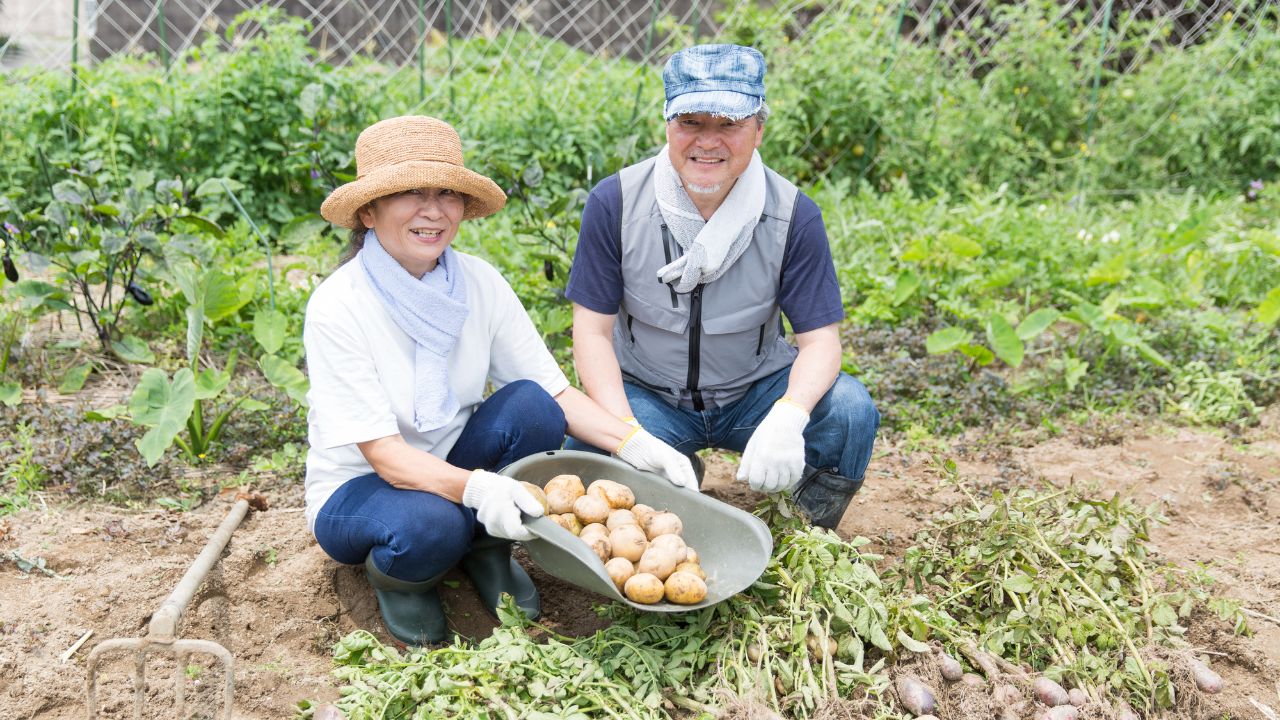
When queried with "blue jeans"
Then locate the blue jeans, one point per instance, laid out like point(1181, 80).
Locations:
point(417, 535)
point(841, 430)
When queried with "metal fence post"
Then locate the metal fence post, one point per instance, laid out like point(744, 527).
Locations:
point(164, 42)
point(422, 48)
point(75, 43)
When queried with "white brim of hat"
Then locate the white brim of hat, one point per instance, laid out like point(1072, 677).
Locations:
point(484, 197)
point(725, 103)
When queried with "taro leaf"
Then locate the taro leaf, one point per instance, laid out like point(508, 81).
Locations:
point(1036, 323)
point(74, 378)
point(210, 383)
point(269, 327)
point(1020, 584)
point(195, 331)
point(946, 340)
point(251, 405)
point(979, 353)
point(10, 393)
point(106, 413)
point(223, 296)
point(196, 224)
point(162, 406)
point(215, 186)
point(1269, 311)
point(905, 287)
point(131, 348)
point(911, 643)
point(284, 375)
point(1004, 341)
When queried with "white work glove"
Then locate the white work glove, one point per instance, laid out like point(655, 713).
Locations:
point(774, 458)
point(498, 501)
point(646, 452)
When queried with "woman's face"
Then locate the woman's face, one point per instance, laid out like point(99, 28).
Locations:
point(416, 226)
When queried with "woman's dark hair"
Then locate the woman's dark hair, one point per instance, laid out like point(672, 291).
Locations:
point(354, 242)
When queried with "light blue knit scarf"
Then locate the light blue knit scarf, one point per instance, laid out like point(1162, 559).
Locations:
point(431, 311)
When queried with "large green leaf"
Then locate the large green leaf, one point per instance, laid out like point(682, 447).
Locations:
point(946, 340)
point(195, 331)
point(284, 375)
point(1036, 323)
point(74, 378)
point(210, 383)
point(1269, 311)
point(131, 348)
point(269, 327)
point(223, 295)
point(980, 353)
point(1004, 341)
point(905, 287)
point(164, 407)
point(10, 394)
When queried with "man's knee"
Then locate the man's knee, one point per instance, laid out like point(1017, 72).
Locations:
point(849, 403)
point(544, 416)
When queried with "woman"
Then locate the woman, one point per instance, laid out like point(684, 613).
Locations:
point(401, 343)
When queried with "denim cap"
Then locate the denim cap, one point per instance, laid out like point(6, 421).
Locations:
point(725, 80)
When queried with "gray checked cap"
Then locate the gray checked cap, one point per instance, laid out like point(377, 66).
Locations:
point(725, 80)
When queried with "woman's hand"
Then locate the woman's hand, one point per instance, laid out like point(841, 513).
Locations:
point(498, 501)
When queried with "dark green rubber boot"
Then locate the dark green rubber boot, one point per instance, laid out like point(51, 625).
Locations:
point(823, 495)
point(493, 571)
point(411, 610)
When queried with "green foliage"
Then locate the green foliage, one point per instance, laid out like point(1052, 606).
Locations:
point(1059, 582)
point(22, 474)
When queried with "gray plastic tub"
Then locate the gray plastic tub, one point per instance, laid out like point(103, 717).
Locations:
point(733, 545)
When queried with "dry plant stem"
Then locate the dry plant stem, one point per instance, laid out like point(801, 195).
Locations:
point(1260, 616)
point(1128, 641)
point(982, 660)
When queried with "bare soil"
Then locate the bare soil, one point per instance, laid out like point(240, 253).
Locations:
point(277, 603)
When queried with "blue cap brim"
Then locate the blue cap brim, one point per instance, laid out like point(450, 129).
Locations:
point(725, 103)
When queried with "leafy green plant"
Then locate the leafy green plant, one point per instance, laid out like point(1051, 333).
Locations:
point(22, 474)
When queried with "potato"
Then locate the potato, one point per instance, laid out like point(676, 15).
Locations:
point(571, 484)
point(973, 680)
point(1207, 681)
point(537, 494)
point(643, 588)
point(657, 562)
point(949, 667)
point(675, 544)
point(915, 695)
point(755, 652)
point(1077, 697)
point(687, 566)
point(600, 546)
point(691, 555)
point(685, 589)
point(1062, 712)
point(590, 509)
point(618, 518)
point(628, 542)
point(569, 522)
point(594, 529)
point(642, 513)
point(817, 647)
point(1004, 695)
point(1049, 692)
point(560, 501)
point(620, 571)
point(614, 494)
point(663, 523)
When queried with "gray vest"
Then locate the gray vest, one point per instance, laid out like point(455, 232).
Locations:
point(704, 348)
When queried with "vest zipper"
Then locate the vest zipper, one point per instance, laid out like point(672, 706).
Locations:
point(695, 343)
point(666, 252)
point(760, 342)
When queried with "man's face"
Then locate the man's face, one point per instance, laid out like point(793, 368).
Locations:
point(710, 152)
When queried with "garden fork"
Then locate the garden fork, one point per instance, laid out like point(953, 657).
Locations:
point(164, 625)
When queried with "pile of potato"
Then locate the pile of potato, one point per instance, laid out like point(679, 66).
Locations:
point(640, 547)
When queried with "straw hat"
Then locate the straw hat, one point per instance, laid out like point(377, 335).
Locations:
point(407, 152)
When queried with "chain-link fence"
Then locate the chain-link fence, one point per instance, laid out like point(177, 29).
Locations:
point(1062, 55)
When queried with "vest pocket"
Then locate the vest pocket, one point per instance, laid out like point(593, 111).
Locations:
point(660, 316)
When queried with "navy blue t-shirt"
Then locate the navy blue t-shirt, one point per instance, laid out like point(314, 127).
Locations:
point(809, 293)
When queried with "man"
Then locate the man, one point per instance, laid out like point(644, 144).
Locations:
point(685, 263)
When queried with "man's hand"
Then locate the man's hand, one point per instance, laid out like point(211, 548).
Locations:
point(498, 501)
point(774, 458)
point(646, 452)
